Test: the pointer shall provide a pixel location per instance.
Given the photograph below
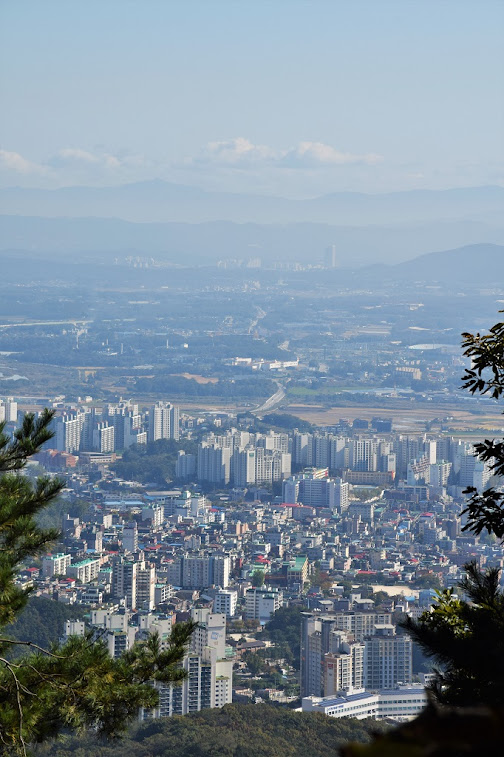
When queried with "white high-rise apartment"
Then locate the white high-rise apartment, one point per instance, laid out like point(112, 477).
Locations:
point(55, 565)
point(387, 659)
point(69, 429)
point(103, 437)
point(210, 632)
point(209, 682)
point(124, 582)
point(262, 602)
point(214, 463)
point(130, 537)
point(311, 490)
point(225, 602)
point(342, 666)
point(164, 421)
point(11, 410)
point(221, 565)
point(363, 454)
point(243, 466)
point(146, 586)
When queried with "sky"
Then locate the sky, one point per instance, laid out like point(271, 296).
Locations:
point(279, 96)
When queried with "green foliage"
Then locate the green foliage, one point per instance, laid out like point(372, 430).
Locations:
point(287, 421)
point(43, 621)
point(486, 376)
point(20, 502)
point(258, 578)
point(439, 732)
point(428, 581)
point(255, 662)
point(320, 579)
point(233, 731)
point(153, 462)
point(77, 684)
point(284, 629)
point(465, 638)
point(52, 515)
point(177, 386)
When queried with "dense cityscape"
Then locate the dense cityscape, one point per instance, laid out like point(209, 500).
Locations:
point(233, 514)
point(251, 378)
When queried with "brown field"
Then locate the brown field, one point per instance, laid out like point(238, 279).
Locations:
point(199, 379)
point(195, 406)
point(404, 419)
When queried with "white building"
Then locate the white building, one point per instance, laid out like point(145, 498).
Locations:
point(214, 463)
point(55, 565)
point(200, 571)
point(262, 602)
point(210, 632)
point(103, 437)
point(69, 429)
point(210, 673)
point(73, 628)
point(315, 490)
point(225, 602)
point(221, 565)
point(387, 659)
point(146, 585)
point(84, 571)
point(10, 410)
point(243, 467)
point(164, 421)
point(401, 704)
point(154, 513)
point(124, 582)
point(130, 537)
point(342, 666)
point(185, 467)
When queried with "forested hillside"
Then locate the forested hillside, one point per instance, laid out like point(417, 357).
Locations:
point(237, 730)
point(43, 621)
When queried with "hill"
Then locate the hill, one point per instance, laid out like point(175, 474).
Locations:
point(476, 263)
point(236, 730)
point(161, 201)
point(74, 239)
point(43, 621)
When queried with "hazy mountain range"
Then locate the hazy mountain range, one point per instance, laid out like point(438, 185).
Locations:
point(208, 242)
point(185, 224)
point(478, 265)
point(159, 201)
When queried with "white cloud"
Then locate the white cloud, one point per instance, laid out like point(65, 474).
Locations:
point(232, 152)
point(242, 153)
point(76, 165)
point(75, 156)
point(313, 154)
point(13, 161)
point(75, 153)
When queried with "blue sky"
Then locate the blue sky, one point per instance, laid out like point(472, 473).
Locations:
point(287, 97)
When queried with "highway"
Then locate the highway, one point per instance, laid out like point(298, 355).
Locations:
point(272, 401)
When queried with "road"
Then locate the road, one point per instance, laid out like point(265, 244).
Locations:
point(42, 323)
point(272, 401)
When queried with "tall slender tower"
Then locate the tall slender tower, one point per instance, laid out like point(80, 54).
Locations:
point(330, 257)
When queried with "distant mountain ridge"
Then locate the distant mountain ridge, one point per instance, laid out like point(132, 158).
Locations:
point(159, 201)
point(477, 265)
point(212, 241)
point(475, 262)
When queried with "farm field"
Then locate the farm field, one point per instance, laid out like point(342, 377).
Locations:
point(406, 419)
